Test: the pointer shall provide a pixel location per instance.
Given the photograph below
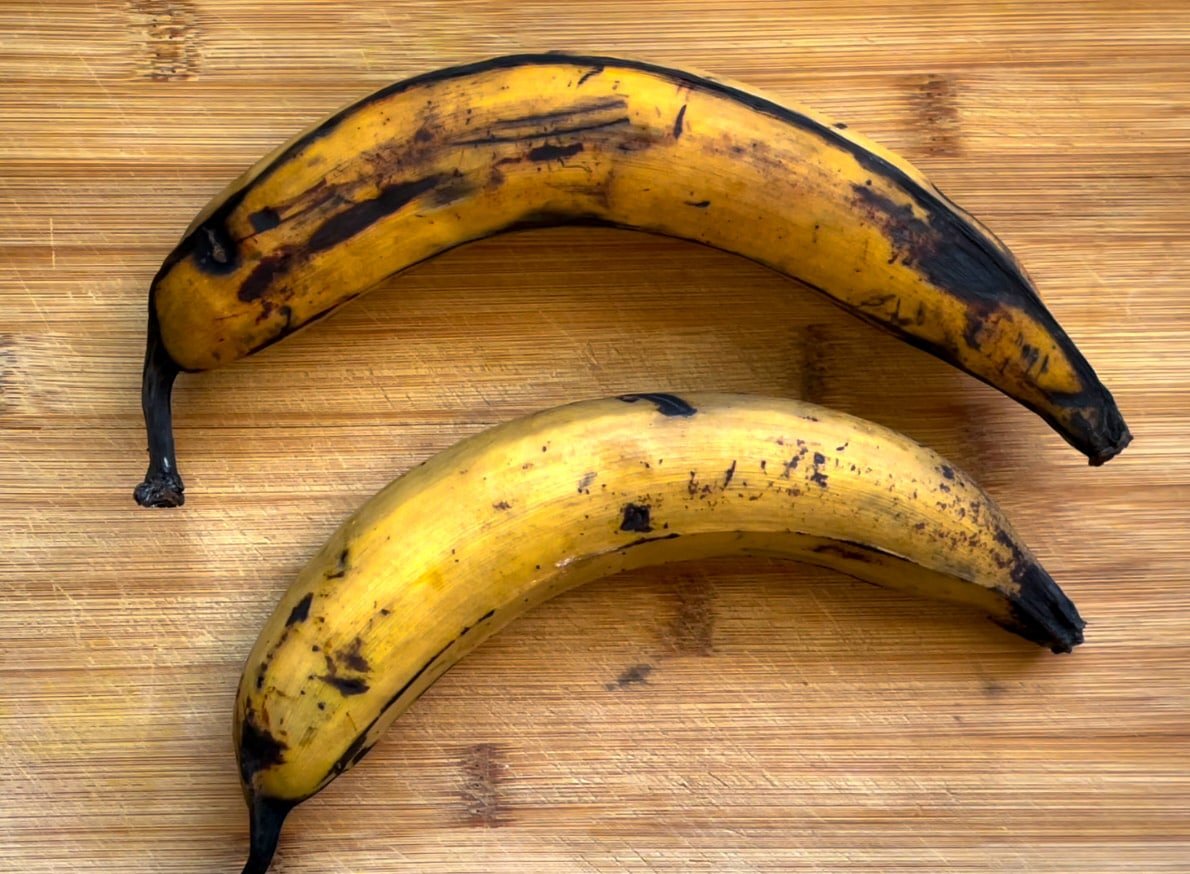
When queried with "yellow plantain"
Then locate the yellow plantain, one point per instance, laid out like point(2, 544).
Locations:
point(452, 551)
point(529, 140)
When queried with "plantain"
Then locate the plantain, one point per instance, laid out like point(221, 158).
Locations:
point(449, 553)
point(432, 162)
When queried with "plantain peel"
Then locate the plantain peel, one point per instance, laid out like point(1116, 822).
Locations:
point(458, 547)
point(463, 153)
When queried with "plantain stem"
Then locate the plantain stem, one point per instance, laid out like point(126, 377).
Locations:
point(162, 486)
point(267, 817)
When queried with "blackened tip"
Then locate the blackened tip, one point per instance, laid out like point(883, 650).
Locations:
point(1106, 453)
point(160, 490)
point(1042, 613)
point(266, 816)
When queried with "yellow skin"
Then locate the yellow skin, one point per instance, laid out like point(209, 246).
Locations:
point(550, 139)
point(449, 553)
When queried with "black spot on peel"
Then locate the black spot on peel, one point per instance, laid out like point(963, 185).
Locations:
point(347, 685)
point(340, 566)
point(678, 122)
point(947, 471)
point(550, 152)
point(697, 204)
point(594, 71)
point(485, 617)
point(536, 133)
point(791, 465)
point(643, 540)
point(349, 756)
point(301, 610)
point(258, 282)
point(728, 474)
point(636, 518)
point(667, 404)
point(360, 216)
point(818, 476)
point(502, 505)
point(258, 749)
point(423, 135)
point(633, 675)
point(841, 125)
point(214, 249)
point(264, 219)
point(353, 658)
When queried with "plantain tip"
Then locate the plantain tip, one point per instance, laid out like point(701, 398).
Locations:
point(1110, 450)
point(1042, 613)
point(267, 815)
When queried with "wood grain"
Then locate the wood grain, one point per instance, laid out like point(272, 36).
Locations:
point(705, 717)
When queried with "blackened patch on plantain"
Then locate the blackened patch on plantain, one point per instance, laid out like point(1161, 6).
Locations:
point(570, 113)
point(258, 749)
point(550, 152)
point(667, 404)
point(354, 659)
point(791, 465)
point(214, 249)
point(818, 476)
point(257, 283)
point(502, 505)
point(346, 685)
point(264, 219)
point(360, 216)
point(678, 122)
point(728, 474)
point(594, 71)
point(340, 570)
point(1041, 612)
point(301, 610)
point(636, 518)
point(537, 134)
point(643, 540)
point(947, 471)
point(352, 754)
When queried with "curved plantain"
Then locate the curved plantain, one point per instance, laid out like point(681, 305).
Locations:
point(529, 140)
point(452, 551)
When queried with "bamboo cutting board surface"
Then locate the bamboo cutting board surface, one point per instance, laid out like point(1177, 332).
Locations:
point(726, 716)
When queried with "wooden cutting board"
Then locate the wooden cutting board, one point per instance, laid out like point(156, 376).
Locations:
point(726, 717)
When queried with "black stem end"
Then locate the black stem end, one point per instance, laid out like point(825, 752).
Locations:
point(1042, 613)
point(267, 816)
point(162, 486)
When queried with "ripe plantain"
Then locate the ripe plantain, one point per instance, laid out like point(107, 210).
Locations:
point(529, 140)
point(449, 553)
